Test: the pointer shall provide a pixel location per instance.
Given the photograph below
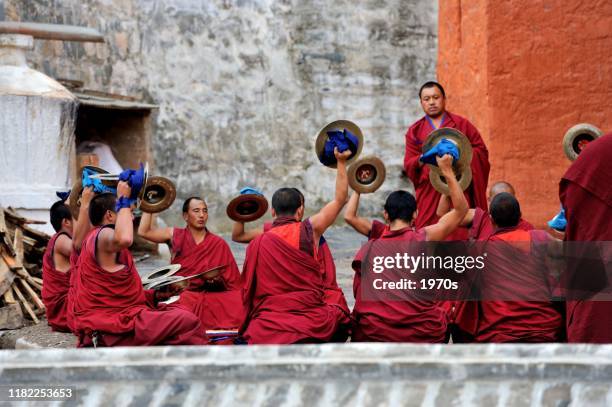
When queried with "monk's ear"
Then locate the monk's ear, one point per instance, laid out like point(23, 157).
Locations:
point(386, 217)
point(273, 212)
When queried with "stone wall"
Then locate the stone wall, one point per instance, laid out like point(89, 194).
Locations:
point(244, 85)
point(525, 72)
point(366, 374)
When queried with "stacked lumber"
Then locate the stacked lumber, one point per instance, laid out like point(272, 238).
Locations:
point(21, 254)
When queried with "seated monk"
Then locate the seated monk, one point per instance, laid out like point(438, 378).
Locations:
point(284, 289)
point(333, 293)
point(464, 314)
point(511, 272)
point(404, 321)
point(218, 301)
point(56, 268)
point(111, 308)
point(81, 228)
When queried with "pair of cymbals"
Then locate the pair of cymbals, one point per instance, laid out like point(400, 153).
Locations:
point(165, 276)
point(156, 194)
point(461, 167)
point(578, 137)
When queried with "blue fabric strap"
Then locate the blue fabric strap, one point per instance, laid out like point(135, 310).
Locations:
point(559, 222)
point(250, 191)
point(123, 202)
point(98, 186)
point(135, 179)
point(344, 140)
point(445, 146)
point(62, 195)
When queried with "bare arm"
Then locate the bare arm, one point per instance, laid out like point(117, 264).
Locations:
point(361, 225)
point(244, 236)
point(328, 214)
point(112, 241)
point(444, 207)
point(449, 222)
point(155, 235)
point(83, 225)
point(63, 245)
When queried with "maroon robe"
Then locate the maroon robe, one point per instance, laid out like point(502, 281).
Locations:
point(427, 197)
point(333, 293)
point(55, 289)
point(217, 303)
point(115, 306)
point(284, 290)
point(586, 195)
point(465, 314)
point(395, 321)
point(516, 321)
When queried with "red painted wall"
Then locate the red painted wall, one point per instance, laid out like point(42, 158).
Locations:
point(525, 71)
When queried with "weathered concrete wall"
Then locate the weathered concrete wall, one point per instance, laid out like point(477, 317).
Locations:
point(525, 72)
point(243, 86)
point(325, 375)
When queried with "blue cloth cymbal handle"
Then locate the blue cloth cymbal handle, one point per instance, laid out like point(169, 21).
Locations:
point(445, 146)
point(344, 140)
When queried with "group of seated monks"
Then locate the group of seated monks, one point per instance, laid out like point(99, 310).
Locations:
point(287, 291)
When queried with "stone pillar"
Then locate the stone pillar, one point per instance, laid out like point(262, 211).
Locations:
point(37, 121)
point(524, 72)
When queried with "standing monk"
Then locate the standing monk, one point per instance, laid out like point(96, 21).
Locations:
point(586, 195)
point(56, 268)
point(433, 100)
point(217, 301)
point(397, 320)
point(111, 307)
point(284, 290)
point(333, 293)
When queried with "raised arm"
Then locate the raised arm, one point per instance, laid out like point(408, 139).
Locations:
point(244, 236)
point(449, 222)
point(444, 207)
point(361, 225)
point(328, 214)
point(112, 241)
point(83, 225)
point(155, 235)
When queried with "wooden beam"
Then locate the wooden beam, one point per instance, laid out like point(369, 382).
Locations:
point(26, 304)
point(18, 245)
point(52, 31)
point(6, 277)
point(8, 296)
point(32, 294)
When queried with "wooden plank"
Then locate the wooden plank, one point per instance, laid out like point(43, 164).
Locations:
point(6, 277)
point(32, 294)
point(14, 217)
point(8, 259)
point(8, 296)
point(25, 304)
point(11, 317)
point(18, 245)
point(52, 31)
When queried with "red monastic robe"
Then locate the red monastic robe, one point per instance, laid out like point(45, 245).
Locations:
point(333, 293)
point(218, 304)
point(516, 321)
point(284, 290)
point(427, 197)
point(395, 321)
point(586, 194)
point(115, 306)
point(55, 289)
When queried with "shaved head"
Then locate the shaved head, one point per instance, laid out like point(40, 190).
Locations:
point(499, 187)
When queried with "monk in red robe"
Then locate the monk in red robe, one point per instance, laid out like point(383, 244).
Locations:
point(56, 268)
point(395, 320)
point(586, 195)
point(81, 228)
point(513, 272)
point(284, 289)
point(111, 308)
point(464, 314)
point(216, 301)
point(333, 293)
point(433, 100)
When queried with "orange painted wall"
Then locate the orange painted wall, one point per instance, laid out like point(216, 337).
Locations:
point(524, 72)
